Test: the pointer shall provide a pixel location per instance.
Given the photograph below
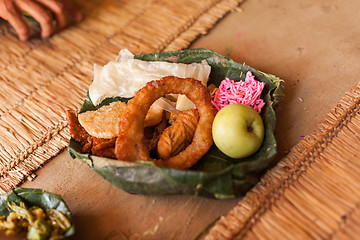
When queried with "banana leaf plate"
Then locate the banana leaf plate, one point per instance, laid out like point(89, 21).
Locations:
point(215, 175)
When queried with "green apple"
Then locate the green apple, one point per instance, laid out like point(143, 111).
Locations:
point(238, 130)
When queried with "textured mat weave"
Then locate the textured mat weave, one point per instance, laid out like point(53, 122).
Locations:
point(313, 193)
point(41, 79)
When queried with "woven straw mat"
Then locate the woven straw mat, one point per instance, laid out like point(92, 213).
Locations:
point(41, 79)
point(312, 193)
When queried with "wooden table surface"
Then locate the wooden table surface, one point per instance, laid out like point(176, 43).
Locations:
point(312, 45)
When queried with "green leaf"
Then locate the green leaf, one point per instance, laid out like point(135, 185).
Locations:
point(215, 175)
point(39, 198)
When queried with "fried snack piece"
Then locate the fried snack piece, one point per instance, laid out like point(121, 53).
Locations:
point(175, 138)
point(130, 144)
point(152, 134)
point(103, 123)
point(154, 115)
point(97, 146)
point(77, 132)
point(103, 147)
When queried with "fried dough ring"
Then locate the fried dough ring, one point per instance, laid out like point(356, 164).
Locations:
point(130, 144)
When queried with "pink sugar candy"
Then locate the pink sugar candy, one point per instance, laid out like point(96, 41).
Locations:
point(247, 92)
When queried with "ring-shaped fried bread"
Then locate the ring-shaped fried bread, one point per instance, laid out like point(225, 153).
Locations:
point(130, 144)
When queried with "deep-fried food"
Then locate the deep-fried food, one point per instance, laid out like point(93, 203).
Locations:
point(152, 134)
point(175, 138)
point(103, 123)
point(154, 115)
point(130, 144)
point(104, 148)
point(76, 130)
point(97, 146)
